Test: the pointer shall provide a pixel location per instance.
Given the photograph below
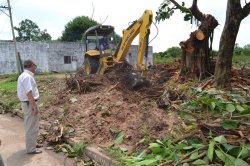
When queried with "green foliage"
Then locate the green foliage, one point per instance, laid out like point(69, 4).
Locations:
point(29, 31)
point(119, 137)
point(232, 155)
point(217, 100)
point(173, 52)
point(161, 151)
point(242, 50)
point(246, 49)
point(75, 29)
point(166, 10)
point(161, 60)
point(167, 56)
point(219, 150)
point(241, 56)
point(210, 151)
point(8, 98)
point(229, 124)
point(170, 52)
point(241, 60)
point(117, 152)
point(76, 151)
point(8, 86)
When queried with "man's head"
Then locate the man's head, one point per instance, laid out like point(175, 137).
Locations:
point(29, 65)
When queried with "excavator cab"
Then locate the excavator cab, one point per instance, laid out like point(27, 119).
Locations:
point(100, 42)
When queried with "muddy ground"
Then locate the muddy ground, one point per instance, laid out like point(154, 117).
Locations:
point(96, 109)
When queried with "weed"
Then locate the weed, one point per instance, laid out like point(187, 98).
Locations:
point(116, 152)
point(143, 130)
point(76, 151)
point(65, 109)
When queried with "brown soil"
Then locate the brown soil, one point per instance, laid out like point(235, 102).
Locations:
point(98, 108)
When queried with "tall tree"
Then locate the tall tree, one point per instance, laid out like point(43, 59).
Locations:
point(75, 29)
point(234, 15)
point(29, 31)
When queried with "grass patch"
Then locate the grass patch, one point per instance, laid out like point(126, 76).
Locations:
point(8, 96)
point(8, 86)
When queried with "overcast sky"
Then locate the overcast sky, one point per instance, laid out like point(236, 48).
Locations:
point(53, 15)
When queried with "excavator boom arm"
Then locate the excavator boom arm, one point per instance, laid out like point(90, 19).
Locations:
point(142, 27)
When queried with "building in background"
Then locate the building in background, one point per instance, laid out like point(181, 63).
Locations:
point(52, 56)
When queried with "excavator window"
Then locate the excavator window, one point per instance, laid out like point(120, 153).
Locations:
point(104, 44)
point(91, 46)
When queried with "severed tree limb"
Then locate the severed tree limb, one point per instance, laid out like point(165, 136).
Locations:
point(240, 116)
point(78, 86)
point(183, 160)
point(113, 87)
point(186, 136)
point(203, 138)
point(189, 160)
point(209, 81)
point(166, 163)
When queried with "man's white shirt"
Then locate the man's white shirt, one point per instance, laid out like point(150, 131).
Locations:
point(26, 83)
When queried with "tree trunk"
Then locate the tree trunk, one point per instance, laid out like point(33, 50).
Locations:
point(227, 42)
point(196, 58)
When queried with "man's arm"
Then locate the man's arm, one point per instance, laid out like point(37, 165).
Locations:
point(32, 102)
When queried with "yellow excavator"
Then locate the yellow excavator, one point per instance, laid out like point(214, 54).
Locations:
point(102, 51)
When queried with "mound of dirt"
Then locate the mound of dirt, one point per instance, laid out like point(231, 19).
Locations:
point(101, 107)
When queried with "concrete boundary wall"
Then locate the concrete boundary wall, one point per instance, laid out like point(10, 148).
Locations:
point(52, 56)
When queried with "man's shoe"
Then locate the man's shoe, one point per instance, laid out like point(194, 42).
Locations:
point(39, 145)
point(35, 152)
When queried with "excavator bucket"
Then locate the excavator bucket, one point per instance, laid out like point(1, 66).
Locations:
point(136, 81)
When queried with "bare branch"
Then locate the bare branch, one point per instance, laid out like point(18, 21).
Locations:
point(176, 4)
point(4, 12)
point(93, 11)
point(105, 20)
point(246, 10)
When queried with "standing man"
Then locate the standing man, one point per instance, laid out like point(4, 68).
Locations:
point(28, 94)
